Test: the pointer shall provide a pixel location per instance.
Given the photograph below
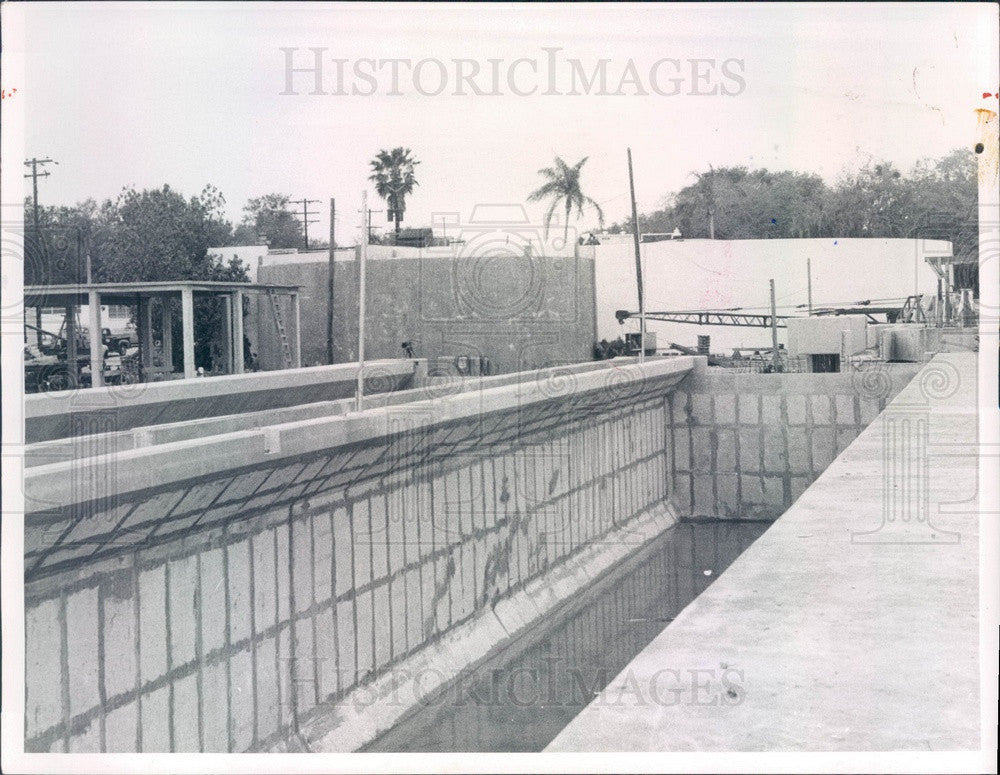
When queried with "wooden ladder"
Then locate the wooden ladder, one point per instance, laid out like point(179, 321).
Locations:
point(279, 323)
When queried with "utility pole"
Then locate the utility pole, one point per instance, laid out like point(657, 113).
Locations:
point(638, 264)
point(305, 216)
point(329, 289)
point(774, 330)
point(362, 261)
point(370, 227)
point(809, 283)
point(711, 206)
point(35, 175)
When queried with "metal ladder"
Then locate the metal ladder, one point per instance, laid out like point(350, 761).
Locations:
point(279, 323)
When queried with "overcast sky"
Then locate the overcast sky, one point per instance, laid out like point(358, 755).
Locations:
point(189, 94)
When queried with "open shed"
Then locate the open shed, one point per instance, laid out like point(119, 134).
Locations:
point(142, 295)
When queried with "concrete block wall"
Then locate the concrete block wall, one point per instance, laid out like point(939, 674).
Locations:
point(221, 613)
point(521, 313)
point(51, 416)
point(746, 446)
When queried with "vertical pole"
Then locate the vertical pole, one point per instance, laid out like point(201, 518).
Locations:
point(711, 207)
point(774, 329)
point(72, 364)
point(947, 298)
point(167, 340)
point(187, 325)
point(362, 262)
point(227, 339)
point(296, 316)
point(809, 283)
point(329, 287)
point(38, 326)
point(34, 196)
point(96, 346)
point(638, 264)
point(238, 354)
point(938, 318)
point(81, 247)
point(145, 319)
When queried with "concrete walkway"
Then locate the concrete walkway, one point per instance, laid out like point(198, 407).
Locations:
point(851, 625)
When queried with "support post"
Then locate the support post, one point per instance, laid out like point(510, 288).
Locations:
point(72, 364)
point(638, 264)
point(227, 333)
point(167, 341)
point(938, 317)
point(96, 346)
point(329, 288)
point(297, 317)
point(238, 354)
point(774, 330)
point(145, 319)
point(809, 283)
point(362, 262)
point(187, 322)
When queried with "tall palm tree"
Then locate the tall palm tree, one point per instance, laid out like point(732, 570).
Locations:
point(563, 187)
point(392, 174)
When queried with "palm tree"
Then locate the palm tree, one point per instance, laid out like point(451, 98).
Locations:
point(392, 174)
point(563, 186)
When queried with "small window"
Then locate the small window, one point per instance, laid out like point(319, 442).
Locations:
point(825, 363)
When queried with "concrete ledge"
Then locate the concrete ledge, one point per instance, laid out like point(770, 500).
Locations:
point(372, 709)
point(148, 434)
point(155, 466)
point(850, 625)
point(51, 415)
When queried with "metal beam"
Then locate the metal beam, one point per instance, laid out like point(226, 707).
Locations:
point(709, 318)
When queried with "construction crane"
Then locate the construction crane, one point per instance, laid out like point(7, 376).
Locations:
point(708, 317)
point(740, 316)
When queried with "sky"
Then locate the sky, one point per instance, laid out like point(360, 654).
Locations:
point(191, 94)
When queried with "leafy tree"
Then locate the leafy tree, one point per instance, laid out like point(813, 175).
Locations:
point(562, 186)
point(245, 234)
point(394, 179)
point(152, 235)
point(937, 199)
point(219, 231)
point(56, 253)
point(272, 222)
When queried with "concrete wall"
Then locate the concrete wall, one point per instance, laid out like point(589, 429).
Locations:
point(745, 446)
point(226, 593)
point(826, 335)
point(521, 313)
point(85, 412)
point(251, 589)
point(719, 274)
